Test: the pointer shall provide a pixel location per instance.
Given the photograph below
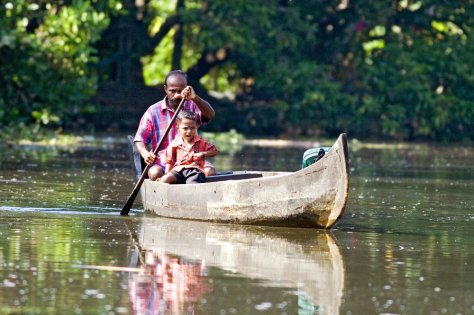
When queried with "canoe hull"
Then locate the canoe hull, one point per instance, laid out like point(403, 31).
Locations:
point(315, 196)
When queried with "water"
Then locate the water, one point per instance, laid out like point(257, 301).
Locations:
point(404, 245)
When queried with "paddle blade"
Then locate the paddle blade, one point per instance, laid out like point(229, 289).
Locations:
point(128, 205)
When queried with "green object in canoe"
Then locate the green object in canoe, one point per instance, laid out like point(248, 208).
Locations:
point(313, 155)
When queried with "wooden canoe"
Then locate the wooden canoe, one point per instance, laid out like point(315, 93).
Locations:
point(315, 196)
point(309, 264)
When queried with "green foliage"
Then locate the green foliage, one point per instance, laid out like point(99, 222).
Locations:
point(384, 69)
point(416, 86)
point(229, 142)
point(48, 48)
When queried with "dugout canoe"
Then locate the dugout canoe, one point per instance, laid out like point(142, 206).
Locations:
point(314, 196)
point(306, 263)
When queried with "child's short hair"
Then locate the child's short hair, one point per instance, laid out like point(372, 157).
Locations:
point(186, 114)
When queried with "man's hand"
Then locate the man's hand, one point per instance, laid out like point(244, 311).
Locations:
point(188, 93)
point(150, 158)
point(206, 108)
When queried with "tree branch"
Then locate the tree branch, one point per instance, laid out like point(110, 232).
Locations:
point(207, 61)
point(169, 23)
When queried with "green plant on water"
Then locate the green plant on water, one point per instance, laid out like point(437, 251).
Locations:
point(230, 141)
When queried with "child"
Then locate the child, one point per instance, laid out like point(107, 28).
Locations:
point(185, 154)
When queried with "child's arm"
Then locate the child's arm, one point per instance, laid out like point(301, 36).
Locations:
point(207, 150)
point(168, 167)
point(207, 154)
point(210, 150)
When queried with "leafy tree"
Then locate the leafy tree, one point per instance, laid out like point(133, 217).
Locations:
point(414, 80)
point(384, 69)
point(395, 69)
point(49, 52)
point(265, 54)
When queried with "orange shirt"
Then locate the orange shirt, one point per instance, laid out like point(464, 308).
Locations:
point(181, 155)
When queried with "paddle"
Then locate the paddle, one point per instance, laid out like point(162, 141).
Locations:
point(128, 205)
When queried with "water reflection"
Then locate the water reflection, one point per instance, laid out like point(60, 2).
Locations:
point(304, 268)
point(167, 284)
point(39, 255)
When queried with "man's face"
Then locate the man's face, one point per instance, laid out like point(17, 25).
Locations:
point(173, 89)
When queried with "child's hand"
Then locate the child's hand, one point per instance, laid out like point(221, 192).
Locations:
point(197, 157)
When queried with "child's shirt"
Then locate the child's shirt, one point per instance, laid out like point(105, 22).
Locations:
point(181, 155)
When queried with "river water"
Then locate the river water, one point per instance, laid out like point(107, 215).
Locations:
point(404, 245)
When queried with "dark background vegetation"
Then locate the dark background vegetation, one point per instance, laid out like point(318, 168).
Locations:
point(391, 70)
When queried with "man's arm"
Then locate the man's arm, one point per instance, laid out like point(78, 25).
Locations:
point(206, 108)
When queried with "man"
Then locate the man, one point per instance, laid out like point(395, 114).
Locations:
point(158, 116)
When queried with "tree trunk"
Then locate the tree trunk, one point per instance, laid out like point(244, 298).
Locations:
point(122, 96)
point(178, 39)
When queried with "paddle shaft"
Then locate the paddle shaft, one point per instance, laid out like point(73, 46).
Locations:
point(128, 205)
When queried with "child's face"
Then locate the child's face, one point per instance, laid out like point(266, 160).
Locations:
point(187, 129)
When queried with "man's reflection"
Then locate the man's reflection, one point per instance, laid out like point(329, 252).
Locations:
point(167, 284)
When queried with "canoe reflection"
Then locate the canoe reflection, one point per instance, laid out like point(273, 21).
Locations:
point(306, 262)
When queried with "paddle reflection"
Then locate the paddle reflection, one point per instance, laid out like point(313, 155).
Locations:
point(167, 284)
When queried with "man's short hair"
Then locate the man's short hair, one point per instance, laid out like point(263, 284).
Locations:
point(174, 73)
